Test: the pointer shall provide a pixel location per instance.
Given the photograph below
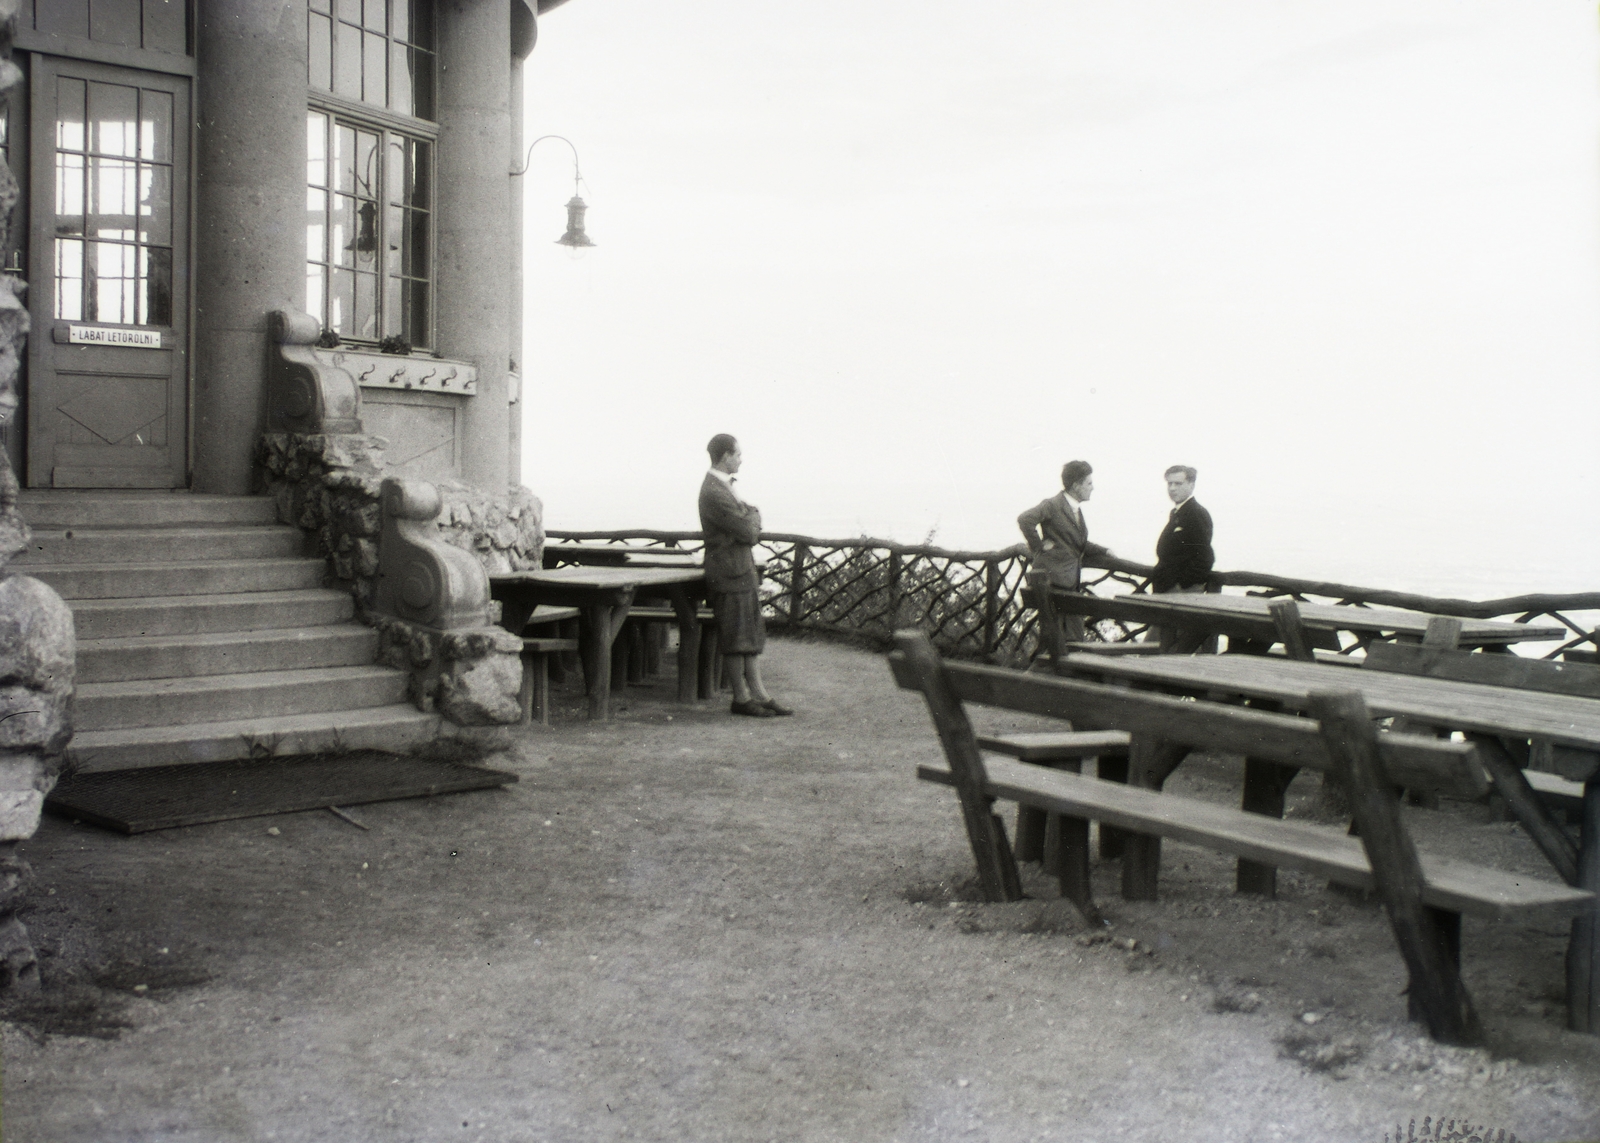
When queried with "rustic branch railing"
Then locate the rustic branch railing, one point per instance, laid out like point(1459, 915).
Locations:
point(970, 603)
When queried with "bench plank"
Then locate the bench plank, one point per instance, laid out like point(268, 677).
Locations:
point(1052, 746)
point(1324, 851)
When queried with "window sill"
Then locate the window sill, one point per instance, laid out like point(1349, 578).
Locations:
point(426, 373)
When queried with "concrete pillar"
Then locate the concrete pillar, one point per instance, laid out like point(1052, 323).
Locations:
point(250, 171)
point(474, 310)
point(514, 273)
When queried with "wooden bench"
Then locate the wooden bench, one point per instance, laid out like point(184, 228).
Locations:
point(1426, 897)
point(641, 647)
point(1064, 750)
point(536, 651)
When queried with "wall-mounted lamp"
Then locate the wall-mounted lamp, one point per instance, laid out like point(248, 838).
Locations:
point(576, 207)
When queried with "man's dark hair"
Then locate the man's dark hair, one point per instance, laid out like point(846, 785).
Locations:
point(1073, 472)
point(721, 445)
point(1188, 473)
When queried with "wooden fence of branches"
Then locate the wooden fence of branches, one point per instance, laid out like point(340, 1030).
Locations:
point(970, 603)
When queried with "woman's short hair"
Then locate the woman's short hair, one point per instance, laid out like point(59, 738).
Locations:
point(721, 445)
point(1073, 472)
point(1188, 473)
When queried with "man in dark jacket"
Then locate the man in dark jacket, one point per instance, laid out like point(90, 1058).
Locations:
point(1183, 553)
point(731, 527)
point(1058, 536)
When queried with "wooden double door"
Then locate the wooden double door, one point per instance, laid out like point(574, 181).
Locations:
point(107, 190)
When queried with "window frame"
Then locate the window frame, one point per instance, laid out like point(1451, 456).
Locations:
point(387, 124)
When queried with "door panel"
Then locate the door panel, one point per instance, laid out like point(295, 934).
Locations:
point(108, 392)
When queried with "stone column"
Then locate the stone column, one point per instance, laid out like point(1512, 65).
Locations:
point(249, 220)
point(474, 311)
point(514, 274)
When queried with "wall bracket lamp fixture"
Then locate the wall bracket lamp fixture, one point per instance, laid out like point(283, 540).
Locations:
point(575, 236)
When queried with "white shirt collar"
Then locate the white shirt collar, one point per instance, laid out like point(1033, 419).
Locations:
point(1074, 503)
point(1182, 502)
point(725, 477)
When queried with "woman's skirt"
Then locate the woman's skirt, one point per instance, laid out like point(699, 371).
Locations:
point(740, 628)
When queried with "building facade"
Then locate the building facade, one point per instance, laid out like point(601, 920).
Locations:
point(188, 168)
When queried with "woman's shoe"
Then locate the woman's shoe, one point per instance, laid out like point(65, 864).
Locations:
point(751, 709)
point(772, 705)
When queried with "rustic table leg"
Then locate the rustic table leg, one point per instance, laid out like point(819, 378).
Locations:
point(706, 668)
point(1066, 854)
point(1583, 953)
point(602, 621)
point(1265, 784)
point(1112, 840)
point(687, 609)
point(1150, 763)
point(1031, 831)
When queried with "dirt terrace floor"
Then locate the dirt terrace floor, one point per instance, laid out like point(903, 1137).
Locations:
point(685, 926)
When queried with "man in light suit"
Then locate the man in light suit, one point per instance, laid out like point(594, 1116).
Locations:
point(1058, 537)
point(1184, 556)
point(731, 527)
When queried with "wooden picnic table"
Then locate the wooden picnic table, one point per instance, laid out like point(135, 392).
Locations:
point(1248, 617)
point(1488, 714)
point(603, 596)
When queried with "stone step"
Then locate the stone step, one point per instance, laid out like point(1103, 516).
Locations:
point(399, 727)
point(197, 614)
point(188, 577)
point(224, 653)
point(64, 546)
point(64, 508)
point(210, 698)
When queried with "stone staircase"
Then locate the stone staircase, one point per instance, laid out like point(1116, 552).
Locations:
point(204, 633)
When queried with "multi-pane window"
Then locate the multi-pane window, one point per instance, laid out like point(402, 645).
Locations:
point(369, 181)
point(375, 51)
point(113, 203)
point(368, 269)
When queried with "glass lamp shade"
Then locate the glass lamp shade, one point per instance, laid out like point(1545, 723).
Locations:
point(575, 236)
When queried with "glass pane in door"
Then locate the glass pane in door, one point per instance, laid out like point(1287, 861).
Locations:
point(114, 203)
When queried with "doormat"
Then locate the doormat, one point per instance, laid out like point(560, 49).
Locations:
point(161, 797)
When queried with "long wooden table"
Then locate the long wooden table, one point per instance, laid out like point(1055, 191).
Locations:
point(603, 596)
point(1247, 617)
point(1488, 713)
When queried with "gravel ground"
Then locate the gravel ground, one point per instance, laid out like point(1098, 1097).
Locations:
point(685, 926)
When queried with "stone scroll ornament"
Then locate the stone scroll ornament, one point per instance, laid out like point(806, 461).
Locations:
point(420, 577)
point(435, 616)
point(38, 649)
point(306, 393)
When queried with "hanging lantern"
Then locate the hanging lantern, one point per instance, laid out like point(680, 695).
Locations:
point(575, 236)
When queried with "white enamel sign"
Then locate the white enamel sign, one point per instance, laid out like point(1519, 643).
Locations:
point(110, 335)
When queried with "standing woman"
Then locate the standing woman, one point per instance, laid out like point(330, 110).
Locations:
point(731, 528)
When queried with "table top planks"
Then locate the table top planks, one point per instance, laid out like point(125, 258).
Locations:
point(1563, 719)
point(1375, 620)
point(619, 555)
point(599, 577)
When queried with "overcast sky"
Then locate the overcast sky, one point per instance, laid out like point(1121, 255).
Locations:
point(1341, 256)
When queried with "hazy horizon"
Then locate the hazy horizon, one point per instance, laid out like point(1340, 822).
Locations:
point(1343, 259)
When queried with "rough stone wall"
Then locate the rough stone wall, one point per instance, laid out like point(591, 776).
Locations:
point(473, 678)
point(330, 485)
point(38, 649)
